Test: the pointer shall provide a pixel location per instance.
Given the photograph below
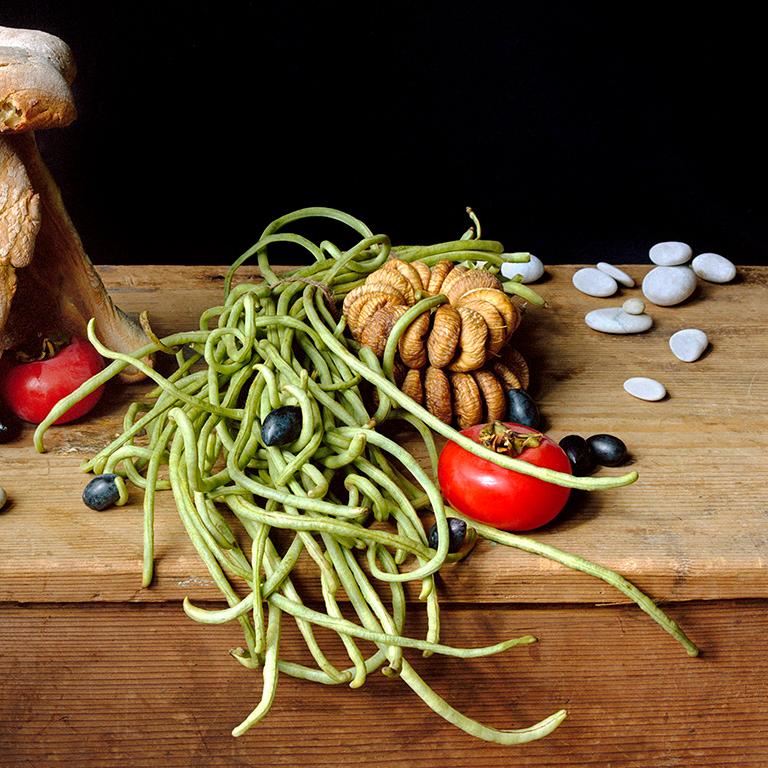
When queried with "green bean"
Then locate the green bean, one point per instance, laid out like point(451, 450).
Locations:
point(523, 467)
point(270, 672)
point(198, 540)
point(102, 378)
point(356, 447)
point(424, 433)
point(419, 308)
point(472, 727)
point(577, 563)
point(279, 341)
point(300, 460)
point(422, 252)
point(153, 469)
point(259, 249)
point(156, 377)
point(246, 511)
point(282, 497)
point(344, 627)
point(305, 627)
point(524, 292)
point(307, 416)
point(310, 545)
point(258, 549)
point(355, 656)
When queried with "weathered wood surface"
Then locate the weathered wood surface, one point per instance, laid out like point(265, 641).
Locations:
point(692, 527)
point(111, 686)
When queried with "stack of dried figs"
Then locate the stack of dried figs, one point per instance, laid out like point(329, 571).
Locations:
point(453, 357)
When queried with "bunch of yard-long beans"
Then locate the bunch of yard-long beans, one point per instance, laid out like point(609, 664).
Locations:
point(342, 490)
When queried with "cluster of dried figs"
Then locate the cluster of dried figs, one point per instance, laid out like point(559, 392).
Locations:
point(454, 359)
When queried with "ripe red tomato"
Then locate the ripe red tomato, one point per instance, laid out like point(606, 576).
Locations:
point(30, 390)
point(500, 497)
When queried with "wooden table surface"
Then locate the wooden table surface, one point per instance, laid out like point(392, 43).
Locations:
point(97, 671)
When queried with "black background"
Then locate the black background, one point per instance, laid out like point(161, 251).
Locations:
point(579, 131)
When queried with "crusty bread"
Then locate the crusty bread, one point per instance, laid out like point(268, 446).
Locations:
point(36, 70)
point(19, 209)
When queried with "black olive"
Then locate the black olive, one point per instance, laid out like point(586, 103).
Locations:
point(579, 454)
point(10, 426)
point(457, 530)
point(282, 426)
point(101, 493)
point(521, 409)
point(607, 450)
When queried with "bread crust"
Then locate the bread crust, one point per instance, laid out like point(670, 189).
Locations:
point(36, 71)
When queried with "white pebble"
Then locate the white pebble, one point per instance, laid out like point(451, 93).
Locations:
point(645, 388)
point(667, 286)
point(593, 282)
point(531, 271)
point(3, 497)
point(634, 306)
point(670, 254)
point(617, 274)
point(689, 344)
point(616, 320)
point(714, 268)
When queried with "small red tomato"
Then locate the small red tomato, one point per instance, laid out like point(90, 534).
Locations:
point(30, 390)
point(501, 497)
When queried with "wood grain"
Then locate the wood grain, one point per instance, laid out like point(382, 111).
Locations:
point(115, 685)
point(693, 527)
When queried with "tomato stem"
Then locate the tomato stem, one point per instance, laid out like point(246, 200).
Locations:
point(43, 348)
point(501, 439)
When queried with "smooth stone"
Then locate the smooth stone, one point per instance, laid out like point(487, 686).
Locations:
point(3, 497)
point(714, 268)
point(667, 286)
point(634, 306)
point(531, 271)
point(617, 274)
point(593, 282)
point(616, 320)
point(644, 388)
point(689, 344)
point(670, 254)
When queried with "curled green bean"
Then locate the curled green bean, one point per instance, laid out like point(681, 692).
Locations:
point(342, 493)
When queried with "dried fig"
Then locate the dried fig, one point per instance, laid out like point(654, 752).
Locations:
point(425, 273)
point(501, 302)
point(471, 350)
point(467, 404)
point(497, 328)
point(507, 376)
point(438, 394)
point(444, 337)
point(372, 287)
point(516, 362)
point(408, 271)
point(412, 346)
point(471, 280)
point(391, 276)
point(455, 274)
point(413, 386)
point(438, 274)
point(361, 311)
point(377, 330)
point(493, 395)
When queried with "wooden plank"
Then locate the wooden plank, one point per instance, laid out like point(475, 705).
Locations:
point(140, 685)
point(693, 527)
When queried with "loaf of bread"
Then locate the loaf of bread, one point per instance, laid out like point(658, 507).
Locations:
point(36, 71)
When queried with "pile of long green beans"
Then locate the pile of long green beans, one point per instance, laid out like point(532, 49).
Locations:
point(346, 494)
